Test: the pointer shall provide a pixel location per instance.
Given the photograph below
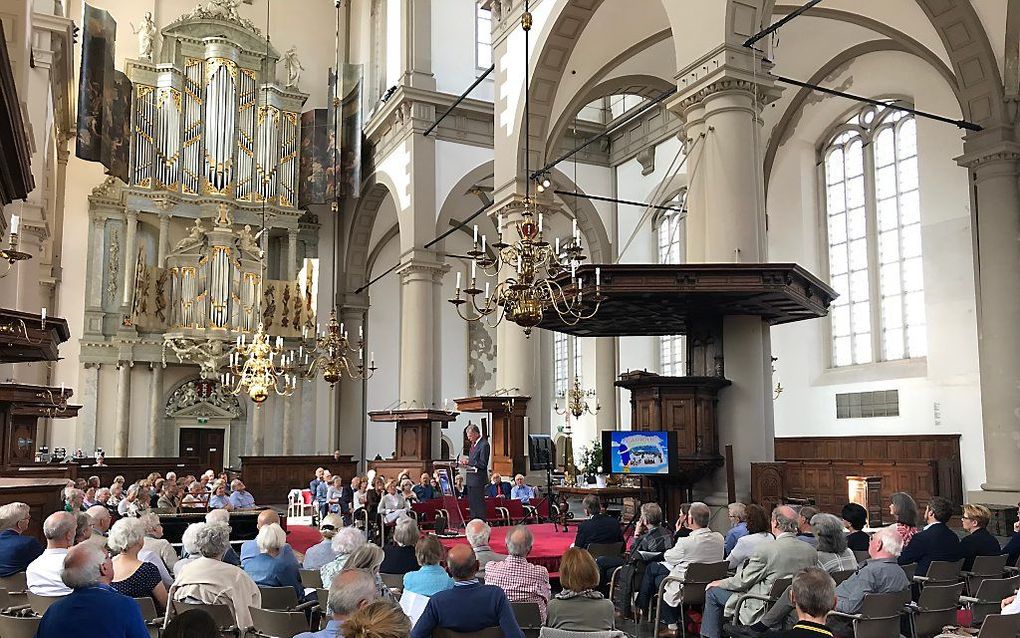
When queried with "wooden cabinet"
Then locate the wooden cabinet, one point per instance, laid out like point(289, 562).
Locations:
point(270, 478)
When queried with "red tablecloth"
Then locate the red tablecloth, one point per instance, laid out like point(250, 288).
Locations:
point(547, 550)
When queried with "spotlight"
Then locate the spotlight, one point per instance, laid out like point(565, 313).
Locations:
point(546, 183)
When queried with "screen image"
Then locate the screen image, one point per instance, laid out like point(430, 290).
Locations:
point(637, 452)
point(444, 482)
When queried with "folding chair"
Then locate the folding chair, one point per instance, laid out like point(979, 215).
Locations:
point(40, 604)
point(271, 623)
point(393, 581)
point(999, 626)
point(15, 584)
point(779, 586)
point(935, 609)
point(153, 621)
point(19, 626)
point(488, 632)
point(221, 614)
point(909, 570)
point(879, 616)
point(941, 572)
point(861, 555)
point(988, 598)
point(605, 549)
point(984, 567)
point(529, 617)
point(278, 598)
point(311, 578)
point(842, 575)
point(692, 587)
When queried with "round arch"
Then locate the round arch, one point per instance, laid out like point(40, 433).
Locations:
point(374, 192)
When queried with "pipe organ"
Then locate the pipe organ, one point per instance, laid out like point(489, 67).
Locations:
point(210, 119)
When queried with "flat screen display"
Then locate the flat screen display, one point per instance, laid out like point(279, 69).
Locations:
point(642, 453)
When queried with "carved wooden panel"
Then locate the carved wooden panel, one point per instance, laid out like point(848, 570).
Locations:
point(270, 478)
point(818, 467)
point(767, 484)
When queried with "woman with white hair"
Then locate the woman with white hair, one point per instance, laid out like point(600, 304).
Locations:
point(400, 555)
point(131, 576)
point(394, 504)
point(208, 580)
point(269, 569)
point(188, 548)
point(370, 557)
point(345, 542)
point(133, 502)
point(155, 542)
point(322, 552)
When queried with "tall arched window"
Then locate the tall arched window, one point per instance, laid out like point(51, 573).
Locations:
point(873, 217)
point(567, 362)
point(671, 232)
point(483, 35)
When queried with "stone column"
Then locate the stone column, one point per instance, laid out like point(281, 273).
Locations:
point(155, 408)
point(351, 422)
point(258, 430)
point(608, 417)
point(130, 258)
point(416, 44)
point(292, 245)
point(720, 99)
point(88, 395)
point(122, 420)
point(994, 166)
point(420, 277)
point(291, 404)
point(163, 243)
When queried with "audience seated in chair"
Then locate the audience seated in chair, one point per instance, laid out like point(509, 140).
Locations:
point(579, 606)
point(497, 487)
point(855, 517)
point(469, 606)
point(345, 542)
point(154, 541)
point(978, 541)
point(833, 557)
point(1012, 547)
point(369, 557)
point(400, 557)
point(936, 541)
point(758, 531)
point(194, 623)
point(323, 552)
point(431, 578)
point(270, 568)
point(650, 540)
point(240, 497)
point(804, 515)
point(250, 549)
point(209, 580)
point(523, 582)
point(212, 516)
point(813, 594)
point(43, 574)
point(423, 490)
point(599, 528)
point(521, 491)
point(904, 511)
point(131, 576)
point(702, 546)
point(1010, 606)
point(781, 558)
point(351, 590)
point(92, 609)
point(380, 619)
point(393, 504)
point(738, 526)
point(477, 532)
point(16, 549)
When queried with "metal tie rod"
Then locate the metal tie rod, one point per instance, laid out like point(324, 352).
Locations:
point(775, 27)
point(460, 99)
point(615, 200)
point(964, 124)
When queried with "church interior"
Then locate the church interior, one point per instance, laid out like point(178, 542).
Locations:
point(562, 272)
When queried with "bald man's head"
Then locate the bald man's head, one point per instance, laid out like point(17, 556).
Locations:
point(267, 517)
point(86, 565)
point(461, 562)
point(59, 529)
point(100, 517)
point(785, 519)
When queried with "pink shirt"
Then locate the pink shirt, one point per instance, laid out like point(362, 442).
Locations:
point(523, 582)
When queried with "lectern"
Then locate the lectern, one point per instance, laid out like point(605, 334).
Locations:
point(413, 450)
point(506, 433)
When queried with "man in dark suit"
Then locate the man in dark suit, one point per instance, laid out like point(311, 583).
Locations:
point(469, 606)
point(477, 466)
point(936, 541)
point(599, 528)
point(17, 549)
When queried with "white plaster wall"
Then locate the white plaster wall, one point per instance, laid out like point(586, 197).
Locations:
point(453, 51)
point(941, 397)
point(383, 389)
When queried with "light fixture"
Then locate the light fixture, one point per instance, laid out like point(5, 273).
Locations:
point(11, 254)
point(575, 403)
point(331, 350)
point(258, 368)
point(531, 264)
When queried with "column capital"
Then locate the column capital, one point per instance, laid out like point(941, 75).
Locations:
point(1004, 154)
point(725, 69)
point(511, 209)
point(418, 264)
point(131, 214)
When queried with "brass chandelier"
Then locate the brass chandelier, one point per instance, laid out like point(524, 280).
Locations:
point(532, 266)
point(259, 367)
point(332, 351)
point(575, 401)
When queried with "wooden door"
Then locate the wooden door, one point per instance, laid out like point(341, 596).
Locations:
point(203, 444)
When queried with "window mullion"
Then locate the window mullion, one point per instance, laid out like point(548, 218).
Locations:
point(871, 232)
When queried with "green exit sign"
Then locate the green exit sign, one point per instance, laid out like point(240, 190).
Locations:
point(203, 420)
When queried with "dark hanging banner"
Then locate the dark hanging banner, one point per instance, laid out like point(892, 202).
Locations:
point(319, 129)
point(104, 97)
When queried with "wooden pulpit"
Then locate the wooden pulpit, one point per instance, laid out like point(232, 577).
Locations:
point(413, 450)
point(506, 429)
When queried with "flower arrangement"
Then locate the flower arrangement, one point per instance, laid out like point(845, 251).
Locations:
point(589, 461)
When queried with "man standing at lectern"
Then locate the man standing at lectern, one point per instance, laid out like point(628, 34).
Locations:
point(477, 466)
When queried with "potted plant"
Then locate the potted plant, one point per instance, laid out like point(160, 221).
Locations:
point(589, 463)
